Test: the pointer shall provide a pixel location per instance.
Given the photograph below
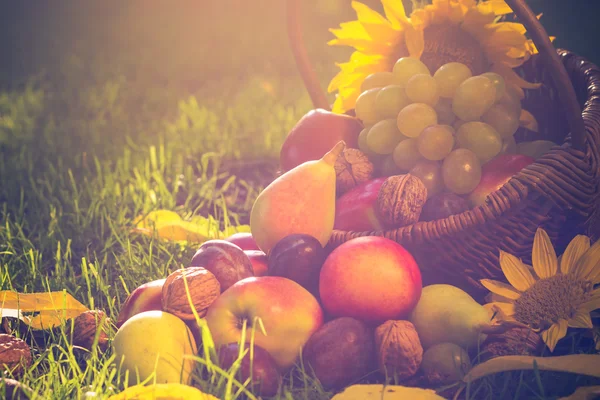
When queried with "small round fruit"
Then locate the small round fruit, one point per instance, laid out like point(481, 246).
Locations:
point(362, 143)
point(473, 98)
point(443, 205)
point(430, 173)
point(445, 363)
point(406, 67)
point(461, 171)
point(502, 119)
point(436, 142)
point(377, 80)
point(155, 342)
point(350, 285)
point(498, 82)
point(414, 118)
point(390, 100)
point(384, 136)
point(365, 106)
point(406, 154)
point(480, 138)
point(422, 88)
point(449, 76)
point(298, 257)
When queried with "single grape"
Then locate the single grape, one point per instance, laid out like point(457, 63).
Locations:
point(430, 173)
point(509, 145)
point(511, 98)
point(498, 81)
point(436, 142)
point(390, 100)
point(377, 80)
point(387, 167)
point(364, 147)
point(406, 154)
point(406, 67)
point(415, 117)
point(365, 107)
point(502, 119)
point(461, 171)
point(457, 124)
point(480, 138)
point(473, 98)
point(449, 76)
point(443, 108)
point(384, 136)
point(422, 88)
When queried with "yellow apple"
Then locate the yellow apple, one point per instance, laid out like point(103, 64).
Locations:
point(155, 341)
point(289, 313)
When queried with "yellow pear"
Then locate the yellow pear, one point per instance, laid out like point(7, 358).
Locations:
point(302, 200)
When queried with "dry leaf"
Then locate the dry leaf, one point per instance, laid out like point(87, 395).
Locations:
point(583, 364)
point(51, 308)
point(162, 391)
point(584, 393)
point(381, 392)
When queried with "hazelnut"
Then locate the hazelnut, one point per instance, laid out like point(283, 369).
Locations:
point(87, 325)
point(15, 354)
point(352, 168)
point(399, 349)
point(203, 286)
point(401, 199)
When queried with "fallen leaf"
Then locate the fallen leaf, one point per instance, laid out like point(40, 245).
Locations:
point(156, 219)
point(51, 308)
point(381, 392)
point(584, 393)
point(583, 364)
point(162, 391)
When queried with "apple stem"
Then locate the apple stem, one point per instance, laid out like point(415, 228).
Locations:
point(334, 153)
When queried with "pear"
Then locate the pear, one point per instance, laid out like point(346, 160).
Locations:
point(302, 200)
point(446, 313)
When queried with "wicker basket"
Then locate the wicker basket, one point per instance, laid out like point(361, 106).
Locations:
point(559, 192)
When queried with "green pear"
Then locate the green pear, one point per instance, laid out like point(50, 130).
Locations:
point(302, 200)
point(446, 313)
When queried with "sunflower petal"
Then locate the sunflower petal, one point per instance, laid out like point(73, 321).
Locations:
point(593, 303)
point(505, 311)
point(377, 27)
point(394, 11)
point(500, 7)
point(556, 332)
point(501, 289)
point(588, 266)
point(496, 298)
point(576, 248)
point(580, 320)
point(543, 255)
point(415, 41)
point(512, 77)
point(516, 273)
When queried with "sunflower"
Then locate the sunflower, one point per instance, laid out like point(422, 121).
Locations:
point(554, 294)
point(467, 31)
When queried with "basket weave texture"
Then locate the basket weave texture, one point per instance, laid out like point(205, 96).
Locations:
point(559, 192)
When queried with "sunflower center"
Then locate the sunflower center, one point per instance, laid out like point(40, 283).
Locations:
point(551, 299)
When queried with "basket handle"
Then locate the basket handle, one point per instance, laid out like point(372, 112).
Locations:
point(538, 35)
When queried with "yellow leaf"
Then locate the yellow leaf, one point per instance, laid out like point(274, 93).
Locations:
point(162, 391)
point(51, 308)
point(156, 219)
point(583, 364)
point(389, 392)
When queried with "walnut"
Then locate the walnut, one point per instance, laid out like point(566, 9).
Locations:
point(14, 389)
point(87, 325)
point(352, 168)
point(15, 354)
point(399, 349)
point(400, 200)
point(514, 342)
point(204, 288)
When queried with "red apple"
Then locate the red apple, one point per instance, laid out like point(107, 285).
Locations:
point(289, 314)
point(355, 209)
point(315, 134)
point(259, 260)
point(370, 278)
point(496, 173)
point(244, 240)
point(146, 297)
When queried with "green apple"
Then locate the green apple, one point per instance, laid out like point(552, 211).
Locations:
point(289, 313)
point(155, 341)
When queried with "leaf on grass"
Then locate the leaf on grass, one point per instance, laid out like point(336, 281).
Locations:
point(162, 391)
point(389, 392)
point(50, 308)
point(583, 364)
point(584, 393)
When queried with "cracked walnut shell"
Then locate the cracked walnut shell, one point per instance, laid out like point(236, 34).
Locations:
point(399, 350)
point(401, 199)
point(352, 168)
point(204, 288)
point(87, 325)
point(15, 354)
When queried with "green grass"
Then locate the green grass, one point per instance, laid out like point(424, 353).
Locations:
point(127, 119)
